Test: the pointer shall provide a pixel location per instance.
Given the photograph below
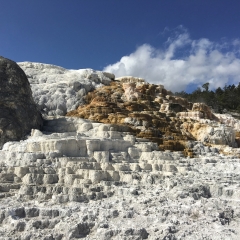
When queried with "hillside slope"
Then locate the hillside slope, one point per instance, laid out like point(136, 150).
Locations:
point(153, 113)
point(108, 176)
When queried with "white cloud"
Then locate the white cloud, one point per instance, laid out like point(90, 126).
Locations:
point(203, 61)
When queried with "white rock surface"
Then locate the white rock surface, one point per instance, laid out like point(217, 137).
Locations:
point(219, 135)
point(228, 120)
point(58, 90)
point(81, 179)
point(70, 182)
point(210, 132)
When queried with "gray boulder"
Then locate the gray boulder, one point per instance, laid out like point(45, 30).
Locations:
point(18, 112)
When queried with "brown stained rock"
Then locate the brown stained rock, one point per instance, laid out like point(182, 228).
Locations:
point(238, 138)
point(194, 115)
point(203, 108)
point(152, 112)
point(132, 102)
point(18, 112)
point(132, 92)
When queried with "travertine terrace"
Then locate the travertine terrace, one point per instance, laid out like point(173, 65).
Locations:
point(151, 112)
point(100, 177)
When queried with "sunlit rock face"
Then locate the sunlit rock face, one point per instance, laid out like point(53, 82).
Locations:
point(203, 108)
point(197, 111)
point(217, 135)
point(134, 103)
point(82, 179)
point(152, 112)
point(18, 112)
point(57, 90)
point(96, 175)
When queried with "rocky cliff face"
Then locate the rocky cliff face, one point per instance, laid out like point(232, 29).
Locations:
point(153, 113)
point(57, 90)
point(82, 179)
point(18, 111)
point(101, 178)
point(132, 102)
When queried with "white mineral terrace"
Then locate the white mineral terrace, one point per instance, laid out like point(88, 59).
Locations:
point(78, 179)
point(82, 179)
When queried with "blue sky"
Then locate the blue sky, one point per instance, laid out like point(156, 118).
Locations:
point(128, 37)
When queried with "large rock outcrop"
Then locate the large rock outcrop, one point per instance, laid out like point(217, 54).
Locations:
point(57, 90)
point(208, 133)
point(134, 103)
point(152, 112)
point(18, 112)
point(79, 179)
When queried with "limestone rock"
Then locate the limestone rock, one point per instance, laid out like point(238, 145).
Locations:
point(130, 79)
point(104, 179)
point(193, 115)
point(57, 90)
point(229, 120)
point(153, 113)
point(211, 133)
point(136, 104)
point(18, 112)
point(83, 179)
point(150, 111)
point(203, 108)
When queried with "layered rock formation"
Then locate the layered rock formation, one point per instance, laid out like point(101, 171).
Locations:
point(130, 101)
point(57, 90)
point(18, 112)
point(152, 112)
point(82, 179)
point(101, 178)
